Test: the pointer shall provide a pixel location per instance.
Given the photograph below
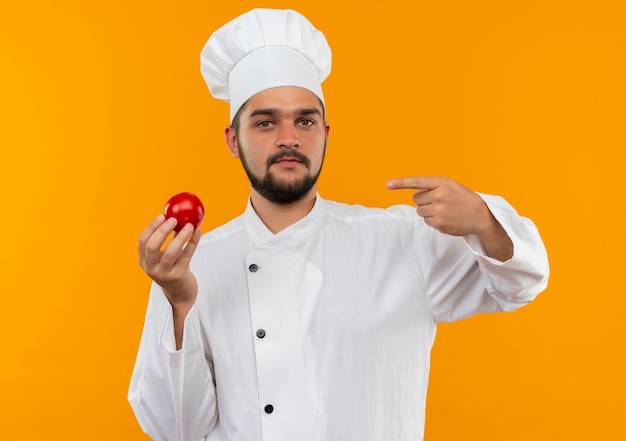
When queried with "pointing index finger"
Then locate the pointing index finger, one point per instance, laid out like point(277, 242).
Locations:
point(415, 182)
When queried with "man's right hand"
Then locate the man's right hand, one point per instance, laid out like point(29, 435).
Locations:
point(168, 265)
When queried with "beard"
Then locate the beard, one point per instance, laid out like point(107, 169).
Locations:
point(280, 192)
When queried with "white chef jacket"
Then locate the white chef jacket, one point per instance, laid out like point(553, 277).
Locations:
point(323, 331)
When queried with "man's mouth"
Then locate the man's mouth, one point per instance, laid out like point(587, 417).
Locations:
point(289, 158)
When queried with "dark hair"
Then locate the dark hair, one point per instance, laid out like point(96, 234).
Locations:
point(237, 118)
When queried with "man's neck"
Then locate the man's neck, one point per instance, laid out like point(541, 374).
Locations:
point(277, 217)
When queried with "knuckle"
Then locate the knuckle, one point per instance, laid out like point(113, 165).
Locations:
point(170, 253)
point(152, 247)
point(437, 198)
point(141, 241)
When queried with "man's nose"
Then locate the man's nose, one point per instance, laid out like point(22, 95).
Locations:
point(287, 137)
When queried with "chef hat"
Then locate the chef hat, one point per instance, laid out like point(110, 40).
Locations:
point(264, 48)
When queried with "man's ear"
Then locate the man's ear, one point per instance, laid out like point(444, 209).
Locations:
point(231, 141)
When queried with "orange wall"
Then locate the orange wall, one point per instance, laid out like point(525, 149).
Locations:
point(104, 115)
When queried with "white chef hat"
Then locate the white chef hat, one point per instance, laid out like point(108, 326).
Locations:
point(264, 48)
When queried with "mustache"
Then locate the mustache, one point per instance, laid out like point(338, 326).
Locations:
point(291, 154)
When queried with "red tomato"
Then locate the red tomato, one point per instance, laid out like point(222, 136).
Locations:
point(186, 208)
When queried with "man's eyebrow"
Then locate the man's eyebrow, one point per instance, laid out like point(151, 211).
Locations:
point(272, 111)
point(268, 111)
point(309, 111)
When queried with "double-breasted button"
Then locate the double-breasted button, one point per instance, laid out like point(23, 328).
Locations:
point(269, 408)
point(253, 268)
point(260, 333)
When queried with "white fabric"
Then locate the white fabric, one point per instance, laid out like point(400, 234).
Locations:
point(264, 48)
point(348, 297)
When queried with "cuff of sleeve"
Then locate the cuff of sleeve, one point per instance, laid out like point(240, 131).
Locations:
point(168, 339)
point(476, 248)
point(525, 274)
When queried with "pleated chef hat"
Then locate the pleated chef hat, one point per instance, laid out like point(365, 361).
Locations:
point(264, 48)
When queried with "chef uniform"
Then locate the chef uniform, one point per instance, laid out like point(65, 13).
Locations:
point(323, 331)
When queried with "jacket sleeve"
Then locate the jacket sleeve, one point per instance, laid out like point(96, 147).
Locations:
point(172, 392)
point(464, 281)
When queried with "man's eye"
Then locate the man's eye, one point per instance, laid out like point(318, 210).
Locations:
point(307, 122)
point(264, 124)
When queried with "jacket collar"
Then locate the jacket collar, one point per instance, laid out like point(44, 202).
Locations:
point(260, 235)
